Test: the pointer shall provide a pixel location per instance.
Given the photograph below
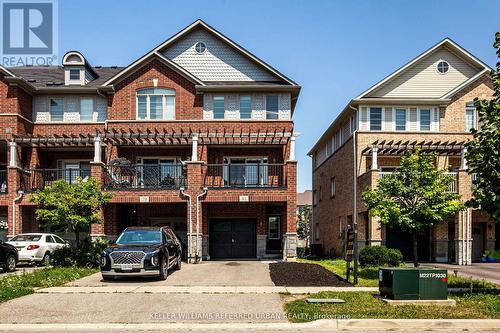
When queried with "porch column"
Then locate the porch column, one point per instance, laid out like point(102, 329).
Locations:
point(13, 154)
point(290, 234)
point(97, 149)
point(194, 152)
point(374, 158)
point(463, 160)
point(194, 216)
point(292, 146)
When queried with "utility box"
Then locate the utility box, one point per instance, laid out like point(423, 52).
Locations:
point(413, 283)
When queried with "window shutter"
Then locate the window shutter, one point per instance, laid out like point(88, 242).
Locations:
point(363, 120)
point(435, 119)
point(413, 120)
point(388, 121)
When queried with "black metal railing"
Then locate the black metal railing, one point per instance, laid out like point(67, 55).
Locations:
point(170, 176)
point(244, 175)
point(3, 182)
point(37, 179)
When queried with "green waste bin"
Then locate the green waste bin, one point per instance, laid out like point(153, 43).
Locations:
point(413, 283)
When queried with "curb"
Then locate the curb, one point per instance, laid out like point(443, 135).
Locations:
point(200, 290)
point(324, 324)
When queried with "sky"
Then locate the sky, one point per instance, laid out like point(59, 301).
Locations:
point(333, 49)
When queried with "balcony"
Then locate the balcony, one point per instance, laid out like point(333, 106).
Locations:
point(244, 175)
point(3, 182)
point(38, 179)
point(453, 187)
point(122, 177)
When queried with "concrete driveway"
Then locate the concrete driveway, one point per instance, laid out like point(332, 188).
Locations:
point(208, 273)
point(21, 269)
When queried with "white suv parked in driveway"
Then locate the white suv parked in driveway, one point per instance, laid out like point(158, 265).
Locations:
point(36, 247)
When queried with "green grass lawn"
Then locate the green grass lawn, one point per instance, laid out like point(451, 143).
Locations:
point(363, 305)
point(13, 286)
point(367, 277)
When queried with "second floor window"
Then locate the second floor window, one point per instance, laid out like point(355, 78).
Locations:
point(56, 109)
point(86, 109)
point(400, 119)
point(272, 107)
point(425, 119)
point(245, 107)
point(74, 74)
point(219, 107)
point(470, 117)
point(156, 104)
point(375, 119)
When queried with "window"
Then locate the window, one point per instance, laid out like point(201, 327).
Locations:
point(272, 107)
point(56, 109)
point(49, 239)
point(443, 67)
point(219, 107)
point(245, 107)
point(316, 231)
point(200, 47)
point(273, 227)
point(333, 187)
point(72, 170)
point(59, 240)
point(74, 75)
point(425, 120)
point(315, 198)
point(375, 119)
point(241, 171)
point(156, 103)
point(400, 119)
point(158, 172)
point(86, 109)
point(470, 117)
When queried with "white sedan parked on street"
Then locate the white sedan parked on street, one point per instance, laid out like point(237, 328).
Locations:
point(36, 247)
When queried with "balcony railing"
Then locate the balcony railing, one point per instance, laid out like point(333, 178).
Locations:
point(452, 187)
point(3, 182)
point(38, 179)
point(245, 175)
point(144, 177)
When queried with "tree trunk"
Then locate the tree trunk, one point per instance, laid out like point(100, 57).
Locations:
point(415, 250)
point(77, 237)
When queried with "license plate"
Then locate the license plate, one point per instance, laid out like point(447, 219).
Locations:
point(126, 267)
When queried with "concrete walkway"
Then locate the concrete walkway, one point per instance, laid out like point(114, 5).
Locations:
point(487, 271)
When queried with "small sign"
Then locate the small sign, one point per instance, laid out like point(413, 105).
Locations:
point(143, 199)
point(349, 244)
point(244, 198)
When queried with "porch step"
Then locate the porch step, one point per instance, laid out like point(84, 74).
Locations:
point(272, 256)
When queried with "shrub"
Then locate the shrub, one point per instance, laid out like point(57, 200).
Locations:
point(302, 252)
point(88, 254)
point(465, 282)
point(379, 256)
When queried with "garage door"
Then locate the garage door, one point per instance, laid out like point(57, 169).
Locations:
point(232, 238)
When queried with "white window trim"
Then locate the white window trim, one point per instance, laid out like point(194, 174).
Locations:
point(163, 105)
point(419, 109)
point(225, 106)
point(475, 119)
point(369, 118)
point(50, 108)
point(239, 106)
point(265, 107)
point(94, 108)
point(407, 115)
point(279, 227)
point(434, 126)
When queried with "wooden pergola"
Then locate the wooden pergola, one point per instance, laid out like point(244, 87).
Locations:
point(395, 148)
point(155, 137)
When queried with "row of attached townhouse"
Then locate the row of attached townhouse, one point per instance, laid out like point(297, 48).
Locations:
point(426, 104)
point(197, 134)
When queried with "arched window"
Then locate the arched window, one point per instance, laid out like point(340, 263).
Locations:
point(156, 103)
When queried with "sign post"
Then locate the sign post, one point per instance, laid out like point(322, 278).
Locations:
point(349, 250)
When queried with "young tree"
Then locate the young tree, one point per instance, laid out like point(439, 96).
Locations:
point(483, 152)
point(413, 198)
point(304, 215)
point(73, 206)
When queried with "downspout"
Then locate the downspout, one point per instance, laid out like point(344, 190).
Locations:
point(21, 193)
point(204, 191)
point(184, 193)
point(355, 185)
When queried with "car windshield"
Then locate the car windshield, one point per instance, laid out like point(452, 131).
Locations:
point(26, 238)
point(139, 237)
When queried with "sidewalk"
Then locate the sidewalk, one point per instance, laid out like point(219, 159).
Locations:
point(324, 325)
point(200, 290)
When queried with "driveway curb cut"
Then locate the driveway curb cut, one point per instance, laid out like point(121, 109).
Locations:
point(324, 324)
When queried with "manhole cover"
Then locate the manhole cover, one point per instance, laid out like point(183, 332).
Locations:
point(233, 264)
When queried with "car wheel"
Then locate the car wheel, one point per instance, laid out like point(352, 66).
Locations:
point(178, 262)
point(45, 260)
point(164, 268)
point(10, 263)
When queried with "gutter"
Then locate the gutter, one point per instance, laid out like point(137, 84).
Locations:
point(184, 193)
point(204, 191)
point(16, 199)
point(355, 201)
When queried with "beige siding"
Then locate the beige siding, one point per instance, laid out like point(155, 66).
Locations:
point(423, 80)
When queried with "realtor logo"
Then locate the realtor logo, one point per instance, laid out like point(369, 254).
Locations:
point(29, 32)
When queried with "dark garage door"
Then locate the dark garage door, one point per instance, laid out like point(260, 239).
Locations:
point(232, 238)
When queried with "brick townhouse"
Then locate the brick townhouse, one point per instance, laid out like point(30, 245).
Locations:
point(425, 104)
point(196, 134)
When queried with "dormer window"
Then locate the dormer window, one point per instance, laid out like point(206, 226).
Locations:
point(74, 75)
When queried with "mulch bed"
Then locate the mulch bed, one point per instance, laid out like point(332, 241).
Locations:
point(294, 274)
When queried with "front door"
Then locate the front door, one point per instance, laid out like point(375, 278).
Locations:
point(478, 234)
point(232, 238)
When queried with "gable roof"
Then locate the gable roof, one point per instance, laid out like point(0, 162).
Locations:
point(197, 24)
point(445, 42)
